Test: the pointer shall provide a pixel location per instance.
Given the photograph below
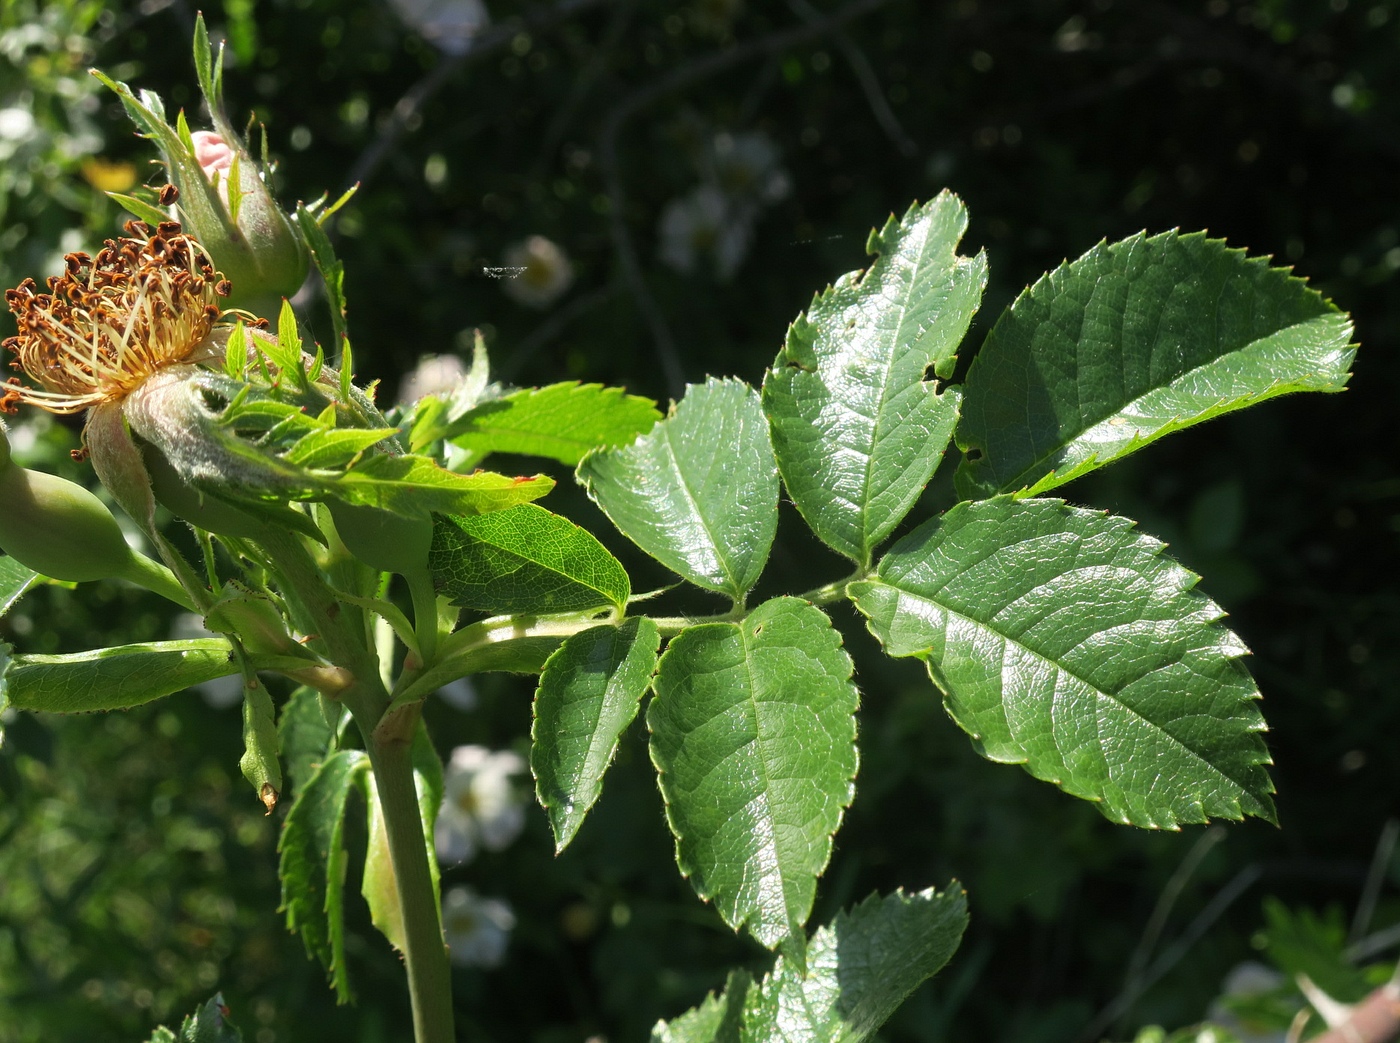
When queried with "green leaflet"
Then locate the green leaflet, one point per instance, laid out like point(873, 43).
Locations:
point(15, 581)
point(1131, 342)
point(1067, 641)
point(306, 735)
point(378, 885)
point(753, 736)
point(859, 970)
point(209, 1024)
point(524, 560)
point(113, 678)
point(563, 422)
point(589, 693)
point(718, 1019)
point(699, 493)
point(858, 426)
point(312, 866)
point(416, 487)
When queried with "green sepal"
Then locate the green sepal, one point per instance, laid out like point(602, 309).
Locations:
point(115, 678)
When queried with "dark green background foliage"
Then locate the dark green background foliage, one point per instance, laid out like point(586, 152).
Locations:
point(138, 874)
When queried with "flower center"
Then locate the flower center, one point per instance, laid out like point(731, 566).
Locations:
point(148, 300)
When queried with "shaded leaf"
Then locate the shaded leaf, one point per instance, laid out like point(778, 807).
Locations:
point(1067, 641)
point(313, 860)
point(589, 693)
point(524, 560)
point(306, 731)
point(114, 678)
point(1131, 342)
point(700, 492)
point(858, 425)
point(753, 736)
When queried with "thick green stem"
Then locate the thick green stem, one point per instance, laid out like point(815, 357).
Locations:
point(425, 954)
point(389, 740)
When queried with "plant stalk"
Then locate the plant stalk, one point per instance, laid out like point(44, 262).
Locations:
point(425, 953)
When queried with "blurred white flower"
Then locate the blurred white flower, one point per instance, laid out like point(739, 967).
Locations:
point(449, 25)
point(222, 692)
point(434, 375)
point(1249, 978)
point(746, 166)
point(537, 272)
point(706, 227)
point(477, 929)
point(481, 805)
point(16, 124)
point(459, 694)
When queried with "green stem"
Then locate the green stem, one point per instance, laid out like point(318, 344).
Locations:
point(425, 614)
point(425, 953)
point(158, 579)
point(388, 739)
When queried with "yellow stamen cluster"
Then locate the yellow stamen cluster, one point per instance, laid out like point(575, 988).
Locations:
point(148, 300)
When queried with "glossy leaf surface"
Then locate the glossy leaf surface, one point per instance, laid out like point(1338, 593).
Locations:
point(1131, 342)
point(524, 559)
point(589, 693)
point(114, 678)
point(860, 968)
point(700, 492)
point(313, 862)
point(563, 422)
point(1067, 641)
point(15, 580)
point(858, 425)
point(753, 736)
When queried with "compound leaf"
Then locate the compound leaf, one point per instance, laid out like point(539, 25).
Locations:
point(699, 493)
point(589, 693)
point(524, 559)
point(313, 860)
point(753, 736)
point(857, 428)
point(1131, 342)
point(1066, 641)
